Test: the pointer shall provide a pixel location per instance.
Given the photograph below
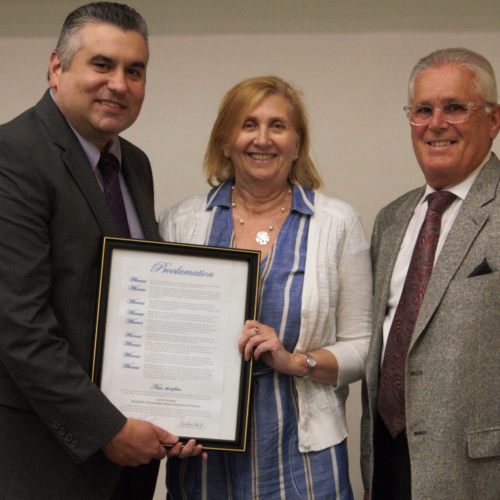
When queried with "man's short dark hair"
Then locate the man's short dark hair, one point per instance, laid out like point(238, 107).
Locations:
point(116, 14)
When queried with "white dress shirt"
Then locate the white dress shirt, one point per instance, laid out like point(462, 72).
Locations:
point(410, 239)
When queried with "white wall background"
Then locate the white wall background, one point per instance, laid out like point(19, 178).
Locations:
point(351, 60)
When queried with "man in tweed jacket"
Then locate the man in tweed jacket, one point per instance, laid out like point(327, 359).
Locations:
point(450, 446)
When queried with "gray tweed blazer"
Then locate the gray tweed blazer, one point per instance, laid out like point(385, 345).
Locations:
point(453, 364)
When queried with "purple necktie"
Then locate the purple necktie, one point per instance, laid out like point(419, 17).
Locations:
point(391, 399)
point(110, 168)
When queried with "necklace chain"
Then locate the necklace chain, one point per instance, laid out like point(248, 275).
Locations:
point(262, 237)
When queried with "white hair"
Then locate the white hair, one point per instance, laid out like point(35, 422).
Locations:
point(485, 85)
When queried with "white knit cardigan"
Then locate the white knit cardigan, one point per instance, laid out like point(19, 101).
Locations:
point(336, 305)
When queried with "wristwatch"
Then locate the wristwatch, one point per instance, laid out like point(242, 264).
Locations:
point(311, 362)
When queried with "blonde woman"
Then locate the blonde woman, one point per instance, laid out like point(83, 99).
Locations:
point(314, 321)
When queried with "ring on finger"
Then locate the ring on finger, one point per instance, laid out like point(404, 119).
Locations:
point(256, 328)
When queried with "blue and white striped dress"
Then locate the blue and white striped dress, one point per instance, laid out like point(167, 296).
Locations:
point(272, 468)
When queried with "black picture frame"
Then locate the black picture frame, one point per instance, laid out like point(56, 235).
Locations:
point(162, 250)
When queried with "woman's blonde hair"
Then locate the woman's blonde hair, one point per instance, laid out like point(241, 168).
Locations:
point(233, 110)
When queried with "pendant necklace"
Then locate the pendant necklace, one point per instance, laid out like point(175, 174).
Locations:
point(262, 237)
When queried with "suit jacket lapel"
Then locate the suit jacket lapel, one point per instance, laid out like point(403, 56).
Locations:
point(77, 162)
point(390, 239)
point(469, 222)
point(86, 180)
point(137, 184)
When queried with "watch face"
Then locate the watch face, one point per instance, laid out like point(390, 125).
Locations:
point(311, 363)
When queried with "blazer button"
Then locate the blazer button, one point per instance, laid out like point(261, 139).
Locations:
point(305, 313)
point(75, 443)
point(68, 437)
point(55, 425)
point(62, 431)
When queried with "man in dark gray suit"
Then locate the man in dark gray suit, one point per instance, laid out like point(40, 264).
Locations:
point(60, 437)
point(431, 404)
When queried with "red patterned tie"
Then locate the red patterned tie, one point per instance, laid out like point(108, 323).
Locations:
point(391, 399)
point(110, 169)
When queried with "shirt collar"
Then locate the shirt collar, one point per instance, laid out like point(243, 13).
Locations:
point(461, 189)
point(91, 150)
point(221, 197)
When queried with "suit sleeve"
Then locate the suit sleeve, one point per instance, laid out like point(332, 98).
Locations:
point(37, 364)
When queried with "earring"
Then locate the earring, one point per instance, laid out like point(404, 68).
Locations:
point(296, 158)
point(226, 155)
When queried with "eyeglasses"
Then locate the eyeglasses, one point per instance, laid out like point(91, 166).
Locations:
point(454, 112)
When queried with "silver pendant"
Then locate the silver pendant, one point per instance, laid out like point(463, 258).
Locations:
point(262, 238)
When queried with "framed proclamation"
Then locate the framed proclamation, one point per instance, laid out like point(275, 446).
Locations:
point(166, 344)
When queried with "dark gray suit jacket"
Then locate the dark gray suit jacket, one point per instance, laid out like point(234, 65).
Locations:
point(53, 216)
point(453, 364)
